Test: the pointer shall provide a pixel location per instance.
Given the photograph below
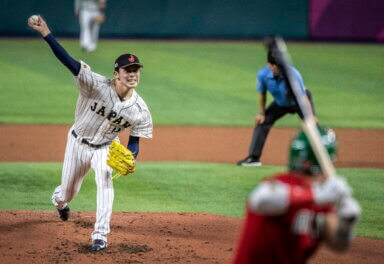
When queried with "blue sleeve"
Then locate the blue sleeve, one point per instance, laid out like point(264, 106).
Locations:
point(133, 145)
point(260, 83)
point(60, 53)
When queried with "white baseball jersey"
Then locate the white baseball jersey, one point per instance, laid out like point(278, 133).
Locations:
point(100, 117)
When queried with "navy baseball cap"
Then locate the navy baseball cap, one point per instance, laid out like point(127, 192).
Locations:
point(127, 60)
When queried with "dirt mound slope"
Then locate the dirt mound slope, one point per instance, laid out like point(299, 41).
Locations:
point(41, 237)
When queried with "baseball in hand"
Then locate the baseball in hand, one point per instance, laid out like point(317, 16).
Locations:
point(34, 19)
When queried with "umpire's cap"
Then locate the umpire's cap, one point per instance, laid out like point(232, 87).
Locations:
point(126, 60)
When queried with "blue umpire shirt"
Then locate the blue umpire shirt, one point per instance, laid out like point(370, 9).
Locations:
point(277, 87)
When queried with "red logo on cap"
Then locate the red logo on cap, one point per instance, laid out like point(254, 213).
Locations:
point(131, 58)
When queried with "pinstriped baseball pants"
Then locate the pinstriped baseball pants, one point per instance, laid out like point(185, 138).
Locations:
point(78, 159)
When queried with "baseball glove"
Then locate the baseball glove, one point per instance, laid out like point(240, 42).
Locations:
point(121, 160)
point(100, 19)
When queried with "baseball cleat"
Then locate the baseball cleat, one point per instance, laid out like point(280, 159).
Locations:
point(249, 161)
point(98, 244)
point(64, 213)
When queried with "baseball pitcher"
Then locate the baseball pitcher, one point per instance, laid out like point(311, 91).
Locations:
point(105, 107)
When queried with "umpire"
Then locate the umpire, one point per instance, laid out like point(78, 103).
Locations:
point(270, 78)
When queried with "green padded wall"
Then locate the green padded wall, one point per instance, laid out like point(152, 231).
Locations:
point(167, 18)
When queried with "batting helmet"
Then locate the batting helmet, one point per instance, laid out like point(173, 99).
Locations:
point(301, 155)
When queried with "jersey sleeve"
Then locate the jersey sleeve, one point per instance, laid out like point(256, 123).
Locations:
point(145, 127)
point(275, 198)
point(260, 82)
point(270, 198)
point(86, 80)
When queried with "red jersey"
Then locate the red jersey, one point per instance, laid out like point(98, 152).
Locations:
point(286, 238)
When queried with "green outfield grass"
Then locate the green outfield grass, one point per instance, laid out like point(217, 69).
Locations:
point(189, 83)
point(195, 83)
point(176, 187)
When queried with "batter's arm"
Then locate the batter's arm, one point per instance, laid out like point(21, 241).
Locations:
point(337, 228)
point(60, 53)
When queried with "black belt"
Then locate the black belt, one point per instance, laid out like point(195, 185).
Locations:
point(84, 141)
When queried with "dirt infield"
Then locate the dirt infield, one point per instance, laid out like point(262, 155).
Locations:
point(40, 237)
point(357, 148)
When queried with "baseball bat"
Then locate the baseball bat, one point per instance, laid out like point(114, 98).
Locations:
point(277, 46)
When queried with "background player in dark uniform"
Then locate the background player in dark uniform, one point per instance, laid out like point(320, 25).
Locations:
point(291, 213)
point(270, 78)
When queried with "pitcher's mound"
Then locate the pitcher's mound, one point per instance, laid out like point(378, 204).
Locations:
point(41, 237)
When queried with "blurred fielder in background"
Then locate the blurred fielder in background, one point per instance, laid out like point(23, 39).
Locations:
point(91, 16)
point(289, 214)
point(270, 78)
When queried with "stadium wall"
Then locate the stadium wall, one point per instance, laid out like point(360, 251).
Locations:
point(234, 19)
point(221, 19)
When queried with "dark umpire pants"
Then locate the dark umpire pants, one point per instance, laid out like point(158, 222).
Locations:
point(273, 113)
